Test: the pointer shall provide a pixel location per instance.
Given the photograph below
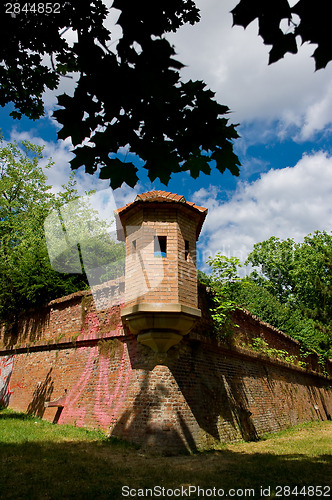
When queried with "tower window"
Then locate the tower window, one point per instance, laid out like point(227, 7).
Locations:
point(160, 246)
point(134, 246)
point(186, 250)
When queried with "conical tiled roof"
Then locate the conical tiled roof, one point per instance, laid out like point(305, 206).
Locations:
point(164, 197)
point(161, 196)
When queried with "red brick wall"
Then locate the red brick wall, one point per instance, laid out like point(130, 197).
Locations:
point(206, 393)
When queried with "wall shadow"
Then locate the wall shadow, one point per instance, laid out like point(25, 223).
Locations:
point(214, 385)
point(219, 404)
point(41, 394)
point(144, 423)
point(218, 401)
point(27, 328)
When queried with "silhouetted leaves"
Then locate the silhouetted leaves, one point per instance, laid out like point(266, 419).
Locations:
point(119, 172)
point(132, 99)
point(314, 26)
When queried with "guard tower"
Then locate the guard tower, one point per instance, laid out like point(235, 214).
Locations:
point(160, 230)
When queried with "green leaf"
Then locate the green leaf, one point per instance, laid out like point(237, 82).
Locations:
point(118, 172)
point(197, 164)
point(226, 158)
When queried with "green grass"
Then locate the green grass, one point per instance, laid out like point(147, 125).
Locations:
point(39, 460)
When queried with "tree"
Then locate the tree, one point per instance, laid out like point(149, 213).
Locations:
point(275, 260)
point(298, 277)
point(26, 276)
point(307, 20)
point(291, 288)
point(133, 98)
point(299, 274)
point(224, 282)
point(78, 240)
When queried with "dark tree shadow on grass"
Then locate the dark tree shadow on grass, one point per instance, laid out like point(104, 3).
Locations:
point(81, 470)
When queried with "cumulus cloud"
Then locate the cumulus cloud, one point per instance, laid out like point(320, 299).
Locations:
point(317, 117)
point(58, 152)
point(234, 63)
point(287, 203)
point(58, 174)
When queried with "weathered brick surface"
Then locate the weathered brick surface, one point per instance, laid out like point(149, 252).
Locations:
point(206, 393)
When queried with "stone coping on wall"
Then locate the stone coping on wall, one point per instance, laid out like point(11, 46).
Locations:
point(210, 344)
point(82, 293)
point(68, 298)
point(72, 338)
point(77, 337)
point(241, 352)
point(62, 344)
point(256, 319)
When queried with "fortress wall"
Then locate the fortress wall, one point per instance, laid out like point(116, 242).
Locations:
point(207, 392)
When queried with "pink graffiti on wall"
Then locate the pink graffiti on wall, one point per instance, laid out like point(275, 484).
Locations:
point(71, 408)
point(107, 402)
point(6, 369)
point(107, 405)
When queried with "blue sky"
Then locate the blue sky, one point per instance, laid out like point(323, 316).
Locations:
point(285, 116)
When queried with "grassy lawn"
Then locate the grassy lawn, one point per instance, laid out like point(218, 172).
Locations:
point(39, 460)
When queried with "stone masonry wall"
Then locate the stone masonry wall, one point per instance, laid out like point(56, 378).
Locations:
point(206, 393)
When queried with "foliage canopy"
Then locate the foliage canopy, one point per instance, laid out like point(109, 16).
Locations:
point(298, 274)
point(133, 97)
point(306, 20)
point(291, 288)
point(26, 276)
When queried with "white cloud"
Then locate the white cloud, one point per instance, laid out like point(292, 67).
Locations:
point(234, 64)
point(287, 203)
point(318, 116)
point(58, 152)
point(59, 173)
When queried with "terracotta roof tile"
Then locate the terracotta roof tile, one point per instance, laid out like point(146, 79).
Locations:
point(164, 197)
point(161, 196)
